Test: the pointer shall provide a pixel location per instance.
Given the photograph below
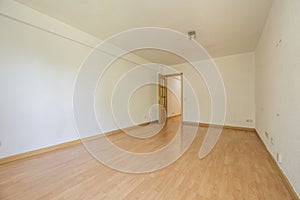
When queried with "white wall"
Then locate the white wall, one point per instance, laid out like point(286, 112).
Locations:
point(237, 72)
point(127, 100)
point(174, 96)
point(278, 86)
point(39, 63)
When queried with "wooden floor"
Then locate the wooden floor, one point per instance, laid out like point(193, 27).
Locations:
point(238, 168)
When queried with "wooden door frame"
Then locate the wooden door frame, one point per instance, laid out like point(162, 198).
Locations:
point(181, 91)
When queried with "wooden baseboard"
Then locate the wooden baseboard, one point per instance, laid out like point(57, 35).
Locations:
point(38, 151)
point(282, 175)
point(71, 143)
point(174, 116)
point(220, 126)
point(63, 145)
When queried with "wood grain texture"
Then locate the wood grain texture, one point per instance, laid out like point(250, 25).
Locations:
point(38, 151)
point(239, 167)
point(282, 175)
point(220, 126)
point(62, 145)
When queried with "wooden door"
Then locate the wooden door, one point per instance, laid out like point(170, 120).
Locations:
point(162, 98)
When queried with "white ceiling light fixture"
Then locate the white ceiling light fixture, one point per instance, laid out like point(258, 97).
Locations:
point(192, 35)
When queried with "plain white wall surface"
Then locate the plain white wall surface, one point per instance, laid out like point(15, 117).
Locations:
point(237, 72)
point(39, 70)
point(126, 95)
point(278, 86)
point(37, 74)
point(174, 96)
point(39, 66)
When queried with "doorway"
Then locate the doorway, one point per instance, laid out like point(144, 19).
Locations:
point(170, 96)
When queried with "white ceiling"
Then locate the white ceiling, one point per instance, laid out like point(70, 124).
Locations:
point(224, 27)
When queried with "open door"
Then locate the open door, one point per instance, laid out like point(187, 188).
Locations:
point(162, 98)
point(163, 95)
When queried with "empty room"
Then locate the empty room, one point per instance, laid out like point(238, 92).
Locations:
point(161, 99)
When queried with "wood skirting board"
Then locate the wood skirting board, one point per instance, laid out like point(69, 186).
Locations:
point(221, 126)
point(174, 116)
point(74, 142)
point(62, 145)
point(71, 143)
point(38, 151)
point(282, 175)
